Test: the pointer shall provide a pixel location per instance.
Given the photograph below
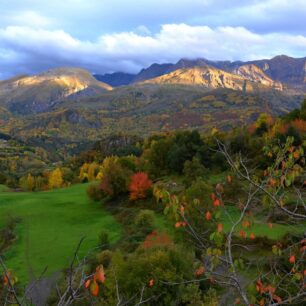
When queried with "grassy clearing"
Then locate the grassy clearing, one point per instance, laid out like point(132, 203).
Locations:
point(260, 228)
point(52, 224)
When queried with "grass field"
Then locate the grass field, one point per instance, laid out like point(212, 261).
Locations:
point(52, 224)
point(260, 227)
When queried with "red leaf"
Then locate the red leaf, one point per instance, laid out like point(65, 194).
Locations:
point(252, 236)
point(200, 271)
point(87, 283)
point(208, 216)
point(242, 233)
point(217, 202)
point(219, 227)
point(99, 275)
point(94, 288)
point(178, 224)
point(276, 298)
point(212, 196)
point(292, 259)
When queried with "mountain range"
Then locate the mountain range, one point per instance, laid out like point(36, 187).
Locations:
point(282, 68)
point(65, 108)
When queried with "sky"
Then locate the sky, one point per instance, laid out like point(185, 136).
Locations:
point(106, 36)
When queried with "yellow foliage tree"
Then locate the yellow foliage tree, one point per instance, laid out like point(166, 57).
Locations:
point(27, 183)
point(107, 165)
point(55, 179)
point(91, 174)
point(83, 171)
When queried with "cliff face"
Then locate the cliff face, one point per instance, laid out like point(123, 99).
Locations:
point(253, 73)
point(245, 78)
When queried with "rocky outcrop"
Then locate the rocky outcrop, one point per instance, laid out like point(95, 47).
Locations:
point(210, 77)
point(253, 73)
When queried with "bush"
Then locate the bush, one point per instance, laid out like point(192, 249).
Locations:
point(166, 263)
point(145, 221)
point(94, 192)
point(193, 169)
point(104, 258)
point(200, 190)
point(104, 240)
point(114, 177)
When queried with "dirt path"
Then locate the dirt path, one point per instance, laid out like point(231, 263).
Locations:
point(39, 290)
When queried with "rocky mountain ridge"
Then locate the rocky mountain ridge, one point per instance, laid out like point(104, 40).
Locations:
point(246, 78)
point(283, 69)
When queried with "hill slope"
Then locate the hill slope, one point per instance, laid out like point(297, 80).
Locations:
point(38, 93)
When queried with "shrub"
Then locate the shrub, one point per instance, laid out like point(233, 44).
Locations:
point(94, 192)
point(114, 177)
point(104, 258)
point(200, 190)
point(145, 220)
point(193, 169)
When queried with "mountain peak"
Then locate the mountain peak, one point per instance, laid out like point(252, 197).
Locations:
point(40, 92)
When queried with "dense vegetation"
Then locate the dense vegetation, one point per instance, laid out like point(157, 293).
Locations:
point(179, 218)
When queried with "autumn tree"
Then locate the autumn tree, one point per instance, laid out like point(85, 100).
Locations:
point(55, 179)
point(83, 172)
point(113, 177)
point(140, 184)
point(92, 171)
point(27, 183)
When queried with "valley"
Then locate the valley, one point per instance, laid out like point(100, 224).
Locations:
point(185, 176)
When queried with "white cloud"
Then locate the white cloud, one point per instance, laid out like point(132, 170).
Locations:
point(31, 18)
point(37, 49)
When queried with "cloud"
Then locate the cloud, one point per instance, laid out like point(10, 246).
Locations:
point(30, 50)
point(86, 19)
point(28, 18)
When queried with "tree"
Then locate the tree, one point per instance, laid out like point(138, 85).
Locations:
point(140, 184)
point(55, 179)
point(114, 179)
point(27, 183)
point(145, 221)
point(92, 171)
point(193, 169)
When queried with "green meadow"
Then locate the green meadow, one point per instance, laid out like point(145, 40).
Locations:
point(50, 228)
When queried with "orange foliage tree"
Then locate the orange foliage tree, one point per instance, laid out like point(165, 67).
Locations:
point(140, 184)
